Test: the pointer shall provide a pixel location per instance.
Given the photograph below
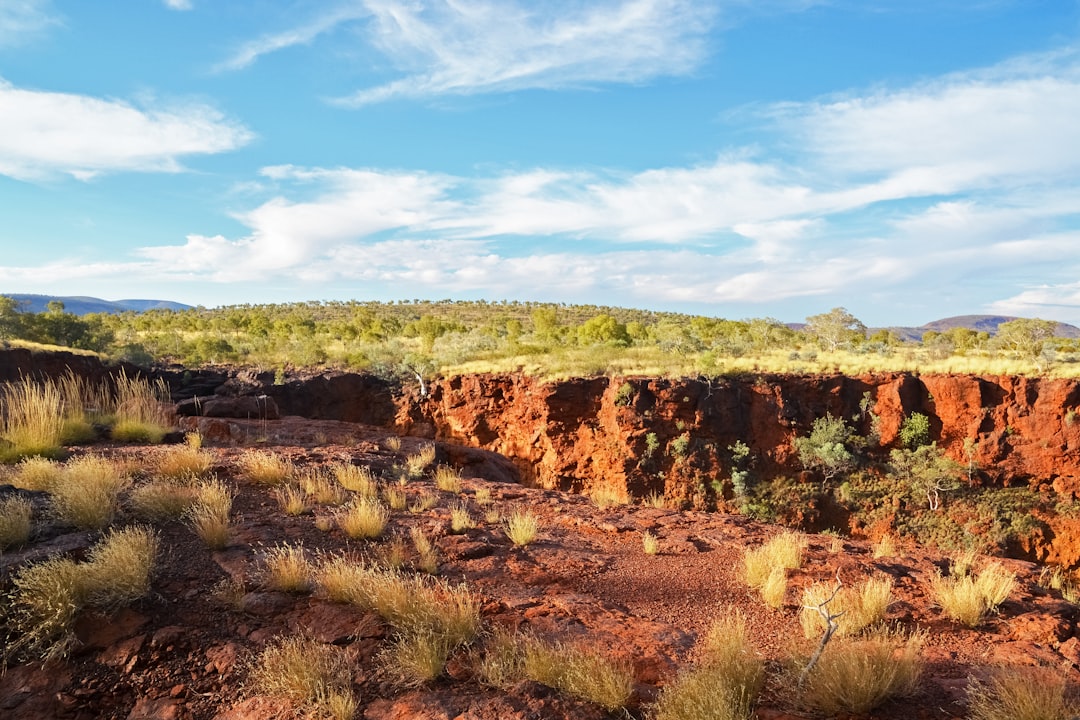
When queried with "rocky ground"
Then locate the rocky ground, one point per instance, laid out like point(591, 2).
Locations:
point(184, 651)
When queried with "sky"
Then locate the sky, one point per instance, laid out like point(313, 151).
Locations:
point(907, 160)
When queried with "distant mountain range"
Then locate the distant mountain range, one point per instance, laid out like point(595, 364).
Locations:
point(979, 323)
point(80, 305)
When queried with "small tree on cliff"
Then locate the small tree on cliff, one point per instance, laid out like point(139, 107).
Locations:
point(927, 471)
point(827, 448)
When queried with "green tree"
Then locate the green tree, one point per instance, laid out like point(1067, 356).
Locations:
point(10, 318)
point(1025, 336)
point(927, 471)
point(827, 449)
point(835, 328)
point(915, 430)
point(603, 329)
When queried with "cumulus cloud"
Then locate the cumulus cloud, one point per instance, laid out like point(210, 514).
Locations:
point(44, 134)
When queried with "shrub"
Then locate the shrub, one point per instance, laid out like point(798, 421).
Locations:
point(861, 606)
point(447, 479)
point(119, 567)
point(363, 518)
point(87, 493)
point(521, 526)
point(968, 598)
point(314, 675)
point(16, 515)
point(209, 514)
point(266, 468)
point(858, 675)
point(1020, 694)
point(915, 430)
point(725, 684)
point(286, 568)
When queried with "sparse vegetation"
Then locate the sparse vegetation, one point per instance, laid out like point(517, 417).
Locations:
point(185, 461)
point(784, 551)
point(161, 500)
point(968, 598)
point(266, 468)
point(46, 597)
point(859, 607)
point(314, 675)
point(607, 496)
point(1020, 693)
point(725, 683)
point(447, 479)
point(460, 518)
point(425, 500)
point(363, 518)
point(87, 492)
point(856, 675)
point(209, 514)
point(291, 500)
point(16, 516)
point(521, 526)
point(355, 478)
point(418, 462)
point(650, 543)
point(31, 421)
point(286, 568)
point(427, 555)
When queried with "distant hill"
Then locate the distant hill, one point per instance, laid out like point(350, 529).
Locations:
point(80, 305)
point(979, 323)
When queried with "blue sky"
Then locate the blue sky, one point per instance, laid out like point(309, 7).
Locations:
point(907, 160)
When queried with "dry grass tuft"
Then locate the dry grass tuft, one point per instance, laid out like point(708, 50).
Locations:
point(651, 543)
point(605, 497)
point(482, 496)
point(31, 420)
point(765, 568)
point(856, 675)
point(396, 498)
point(185, 461)
point(447, 479)
point(315, 676)
point(266, 468)
point(363, 518)
point(725, 684)
point(291, 500)
point(417, 463)
point(46, 597)
point(460, 518)
point(861, 606)
point(286, 568)
point(321, 489)
point(37, 473)
point(427, 556)
point(586, 673)
point(87, 493)
point(16, 521)
point(416, 657)
point(885, 547)
point(355, 478)
point(425, 500)
point(392, 443)
point(161, 500)
point(209, 514)
point(521, 526)
point(143, 409)
point(1021, 694)
point(968, 598)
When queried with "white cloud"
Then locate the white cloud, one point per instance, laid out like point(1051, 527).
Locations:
point(43, 134)
point(1010, 122)
point(303, 34)
point(179, 4)
point(22, 20)
point(462, 48)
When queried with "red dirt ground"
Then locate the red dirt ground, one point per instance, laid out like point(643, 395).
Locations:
point(183, 653)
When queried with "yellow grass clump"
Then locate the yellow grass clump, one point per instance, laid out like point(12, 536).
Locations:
point(16, 521)
point(315, 676)
point(1021, 693)
point(266, 468)
point(860, 606)
point(87, 493)
point(521, 526)
point(209, 514)
point(363, 518)
point(969, 598)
